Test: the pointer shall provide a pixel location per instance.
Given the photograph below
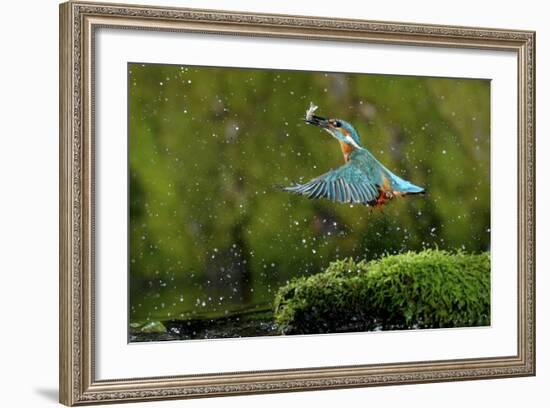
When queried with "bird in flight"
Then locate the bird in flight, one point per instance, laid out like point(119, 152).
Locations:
point(361, 180)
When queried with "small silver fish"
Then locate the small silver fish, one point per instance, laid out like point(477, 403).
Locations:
point(310, 111)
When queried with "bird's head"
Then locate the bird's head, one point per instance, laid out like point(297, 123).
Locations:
point(338, 128)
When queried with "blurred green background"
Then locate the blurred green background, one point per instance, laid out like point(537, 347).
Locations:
point(209, 231)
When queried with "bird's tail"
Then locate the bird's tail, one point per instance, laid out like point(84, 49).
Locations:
point(412, 189)
point(407, 188)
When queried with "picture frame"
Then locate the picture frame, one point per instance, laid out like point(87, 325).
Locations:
point(79, 25)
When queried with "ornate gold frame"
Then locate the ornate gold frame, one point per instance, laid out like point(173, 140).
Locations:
point(78, 22)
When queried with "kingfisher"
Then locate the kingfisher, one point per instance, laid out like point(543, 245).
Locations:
point(361, 180)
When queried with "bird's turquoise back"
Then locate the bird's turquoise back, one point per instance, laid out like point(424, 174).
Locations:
point(379, 174)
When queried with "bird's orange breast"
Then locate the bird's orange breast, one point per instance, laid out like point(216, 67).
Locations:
point(346, 150)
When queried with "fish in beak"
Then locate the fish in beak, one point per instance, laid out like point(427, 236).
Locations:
point(313, 119)
point(317, 121)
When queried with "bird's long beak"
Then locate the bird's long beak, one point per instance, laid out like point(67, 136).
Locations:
point(317, 121)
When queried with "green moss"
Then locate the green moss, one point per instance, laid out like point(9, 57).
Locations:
point(148, 327)
point(430, 289)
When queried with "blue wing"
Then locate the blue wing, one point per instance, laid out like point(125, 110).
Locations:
point(345, 184)
point(361, 180)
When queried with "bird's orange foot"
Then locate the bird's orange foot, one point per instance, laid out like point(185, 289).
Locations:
point(382, 199)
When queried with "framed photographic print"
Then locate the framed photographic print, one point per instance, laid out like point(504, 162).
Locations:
point(260, 203)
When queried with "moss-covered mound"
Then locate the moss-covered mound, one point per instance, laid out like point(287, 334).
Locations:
point(430, 289)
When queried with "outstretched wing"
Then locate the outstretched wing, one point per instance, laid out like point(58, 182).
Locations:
point(345, 184)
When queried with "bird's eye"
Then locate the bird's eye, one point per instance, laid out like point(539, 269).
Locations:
point(337, 123)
